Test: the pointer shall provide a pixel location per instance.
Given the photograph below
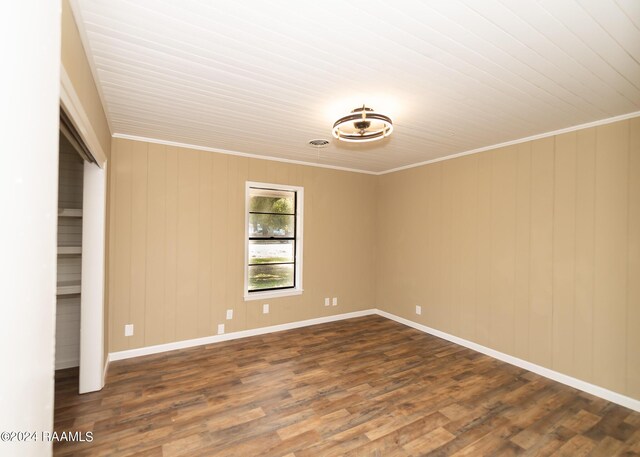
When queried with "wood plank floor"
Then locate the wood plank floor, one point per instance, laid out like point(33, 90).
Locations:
point(365, 386)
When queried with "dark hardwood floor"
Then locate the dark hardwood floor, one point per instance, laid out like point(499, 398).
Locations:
point(365, 386)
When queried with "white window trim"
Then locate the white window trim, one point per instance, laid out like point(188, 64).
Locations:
point(299, 243)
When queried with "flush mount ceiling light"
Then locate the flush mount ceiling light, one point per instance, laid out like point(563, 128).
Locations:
point(362, 125)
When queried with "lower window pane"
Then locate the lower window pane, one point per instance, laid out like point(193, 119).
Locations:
point(270, 251)
point(270, 276)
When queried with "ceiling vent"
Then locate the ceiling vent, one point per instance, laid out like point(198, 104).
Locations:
point(318, 143)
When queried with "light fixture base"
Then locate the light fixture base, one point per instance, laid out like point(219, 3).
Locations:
point(362, 125)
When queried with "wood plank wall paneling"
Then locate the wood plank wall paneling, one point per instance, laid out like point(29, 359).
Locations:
point(484, 204)
point(633, 274)
point(610, 291)
point(522, 249)
point(171, 244)
point(502, 266)
point(541, 265)
point(176, 243)
point(188, 253)
point(219, 252)
point(584, 251)
point(155, 245)
point(120, 244)
point(532, 250)
point(564, 254)
point(138, 255)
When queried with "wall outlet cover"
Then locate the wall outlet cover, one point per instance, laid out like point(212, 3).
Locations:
point(128, 330)
point(327, 301)
point(265, 308)
point(335, 301)
point(229, 314)
point(220, 329)
point(418, 309)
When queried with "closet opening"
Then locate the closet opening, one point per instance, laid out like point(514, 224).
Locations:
point(80, 264)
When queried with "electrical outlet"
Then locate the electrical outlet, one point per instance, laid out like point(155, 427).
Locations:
point(220, 329)
point(418, 309)
point(229, 314)
point(335, 301)
point(265, 308)
point(327, 301)
point(128, 330)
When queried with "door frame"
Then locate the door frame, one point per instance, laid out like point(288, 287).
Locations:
point(92, 303)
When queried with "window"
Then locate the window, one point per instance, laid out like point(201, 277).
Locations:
point(273, 264)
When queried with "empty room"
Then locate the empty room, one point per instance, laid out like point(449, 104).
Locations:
point(320, 228)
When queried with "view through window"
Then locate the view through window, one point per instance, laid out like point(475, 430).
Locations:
point(272, 239)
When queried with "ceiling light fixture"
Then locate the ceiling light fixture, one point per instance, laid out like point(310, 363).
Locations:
point(362, 125)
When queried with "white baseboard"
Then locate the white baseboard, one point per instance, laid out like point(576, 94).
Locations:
point(584, 386)
point(233, 336)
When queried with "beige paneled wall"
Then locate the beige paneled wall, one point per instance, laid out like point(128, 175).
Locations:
point(532, 250)
point(177, 243)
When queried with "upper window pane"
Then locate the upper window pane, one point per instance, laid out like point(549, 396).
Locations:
point(271, 225)
point(272, 201)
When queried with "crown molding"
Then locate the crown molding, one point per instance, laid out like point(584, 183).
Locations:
point(236, 153)
point(609, 120)
point(392, 170)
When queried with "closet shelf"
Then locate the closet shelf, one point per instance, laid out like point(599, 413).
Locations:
point(68, 288)
point(66, 250)
point(69, 212)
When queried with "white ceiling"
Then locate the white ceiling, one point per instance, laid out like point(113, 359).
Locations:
point(265, 77)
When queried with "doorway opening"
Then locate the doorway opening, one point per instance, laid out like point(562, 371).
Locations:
point(80, 266)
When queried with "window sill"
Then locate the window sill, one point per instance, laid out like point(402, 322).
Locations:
point(272, 294)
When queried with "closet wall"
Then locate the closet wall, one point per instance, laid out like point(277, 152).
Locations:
point(70, 175)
